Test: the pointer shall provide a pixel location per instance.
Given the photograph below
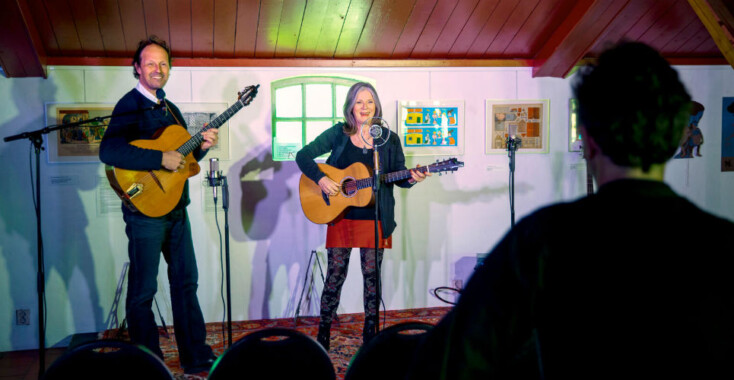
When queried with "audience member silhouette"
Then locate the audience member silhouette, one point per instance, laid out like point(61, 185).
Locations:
point(602, 287)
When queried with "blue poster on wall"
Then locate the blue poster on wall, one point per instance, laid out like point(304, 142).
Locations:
point(431, 126)
point(727, 135)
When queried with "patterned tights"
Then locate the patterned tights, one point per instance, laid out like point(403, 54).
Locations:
point(336, 273)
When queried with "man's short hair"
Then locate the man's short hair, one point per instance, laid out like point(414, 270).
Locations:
point(633, 105)
point(151, 40)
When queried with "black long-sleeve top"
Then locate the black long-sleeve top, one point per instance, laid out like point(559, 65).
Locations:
point(334, 140)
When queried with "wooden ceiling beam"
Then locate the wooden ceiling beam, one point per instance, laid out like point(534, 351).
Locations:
point(575, 36)
point(21, 50)
point(297, 62)
point(718, 20)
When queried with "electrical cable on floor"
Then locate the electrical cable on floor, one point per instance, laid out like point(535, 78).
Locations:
point(443, 289)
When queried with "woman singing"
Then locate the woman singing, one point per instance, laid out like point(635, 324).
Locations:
point(357, 227)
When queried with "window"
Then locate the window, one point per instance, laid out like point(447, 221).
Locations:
point(304, 107)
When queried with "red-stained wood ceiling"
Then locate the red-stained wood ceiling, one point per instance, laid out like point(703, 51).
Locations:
point(551, 36)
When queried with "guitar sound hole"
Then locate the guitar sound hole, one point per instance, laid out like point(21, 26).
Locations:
point(349, 187)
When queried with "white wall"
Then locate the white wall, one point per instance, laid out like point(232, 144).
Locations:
point(443, 223)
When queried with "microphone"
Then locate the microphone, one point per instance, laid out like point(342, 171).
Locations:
point(214, 175)
point(375, 131)
point(161, 95)
point(513, 140)
point(512, 132)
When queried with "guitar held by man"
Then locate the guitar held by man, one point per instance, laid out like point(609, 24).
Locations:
point(155, 193)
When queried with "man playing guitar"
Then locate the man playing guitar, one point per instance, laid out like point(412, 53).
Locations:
point(169, 234)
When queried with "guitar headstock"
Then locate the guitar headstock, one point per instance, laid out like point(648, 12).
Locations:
point(246, 95)
point(449, 165)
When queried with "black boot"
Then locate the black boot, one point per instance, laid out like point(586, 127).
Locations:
point(324, 335)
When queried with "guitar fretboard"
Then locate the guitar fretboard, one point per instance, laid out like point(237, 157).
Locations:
point(389, 177)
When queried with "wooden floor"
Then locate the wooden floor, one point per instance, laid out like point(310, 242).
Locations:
point(23, 365)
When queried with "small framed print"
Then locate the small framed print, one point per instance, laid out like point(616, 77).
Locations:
point(197, 114)
point(526, 119)
point(79, 143)
point(431, 127)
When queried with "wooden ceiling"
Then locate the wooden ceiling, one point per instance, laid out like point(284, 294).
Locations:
point(552, 36)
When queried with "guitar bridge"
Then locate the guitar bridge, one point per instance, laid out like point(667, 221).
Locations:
point(134, 190)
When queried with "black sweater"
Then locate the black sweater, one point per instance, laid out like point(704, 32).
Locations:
point(116, 150)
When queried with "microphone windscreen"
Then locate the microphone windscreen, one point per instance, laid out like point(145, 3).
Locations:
point(160, 94)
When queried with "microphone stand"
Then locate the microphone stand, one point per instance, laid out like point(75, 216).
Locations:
point(225, 207)
point(36, 138)
point(512, 144)
point(376, 192)
point(377, 123)
point(216, 181)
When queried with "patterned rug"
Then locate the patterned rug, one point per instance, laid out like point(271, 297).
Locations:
point(346, 334)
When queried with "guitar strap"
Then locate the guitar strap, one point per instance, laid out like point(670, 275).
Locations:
point(168, 109)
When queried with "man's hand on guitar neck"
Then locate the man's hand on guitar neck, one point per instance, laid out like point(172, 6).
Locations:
point(210, 138)
point(173, 160)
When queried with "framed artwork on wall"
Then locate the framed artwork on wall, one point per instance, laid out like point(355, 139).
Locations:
point(79, 143)
point(574, 136)
point(197, 114)
point(526, 119)
point(431, 127)
point(727, 134)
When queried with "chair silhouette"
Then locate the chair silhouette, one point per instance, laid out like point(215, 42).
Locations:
point(108, 359)
point(389, 354)
point(274, 353)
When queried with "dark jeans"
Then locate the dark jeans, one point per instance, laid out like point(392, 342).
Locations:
point(171, 235)
point(336, 273)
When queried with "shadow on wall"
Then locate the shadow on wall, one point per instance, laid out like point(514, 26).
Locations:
point(271, 215)
point(420, 254)
point(67, 252)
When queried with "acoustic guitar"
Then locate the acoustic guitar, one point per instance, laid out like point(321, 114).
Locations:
point(355, 188)
point(156, 192)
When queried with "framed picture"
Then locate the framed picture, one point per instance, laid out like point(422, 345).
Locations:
point(431, 127)
point(79, 143)
point(574, 136)
point(197, 114)
point(526, 119)
point(727, 134)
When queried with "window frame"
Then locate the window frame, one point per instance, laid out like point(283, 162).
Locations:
point(303, 81)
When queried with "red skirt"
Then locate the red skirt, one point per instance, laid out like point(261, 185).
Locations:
point(348, 233)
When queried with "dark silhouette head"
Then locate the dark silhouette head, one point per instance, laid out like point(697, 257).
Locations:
point(633, 105)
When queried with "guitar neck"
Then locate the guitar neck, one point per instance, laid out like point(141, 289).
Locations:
point(401, 174)
point(389, 177)
point(196, 140)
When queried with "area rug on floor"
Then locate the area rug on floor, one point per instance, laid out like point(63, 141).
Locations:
point(346, 334)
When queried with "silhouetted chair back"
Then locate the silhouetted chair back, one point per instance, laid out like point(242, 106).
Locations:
point(274, 353)
point(389, 354)
point(108, 359)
